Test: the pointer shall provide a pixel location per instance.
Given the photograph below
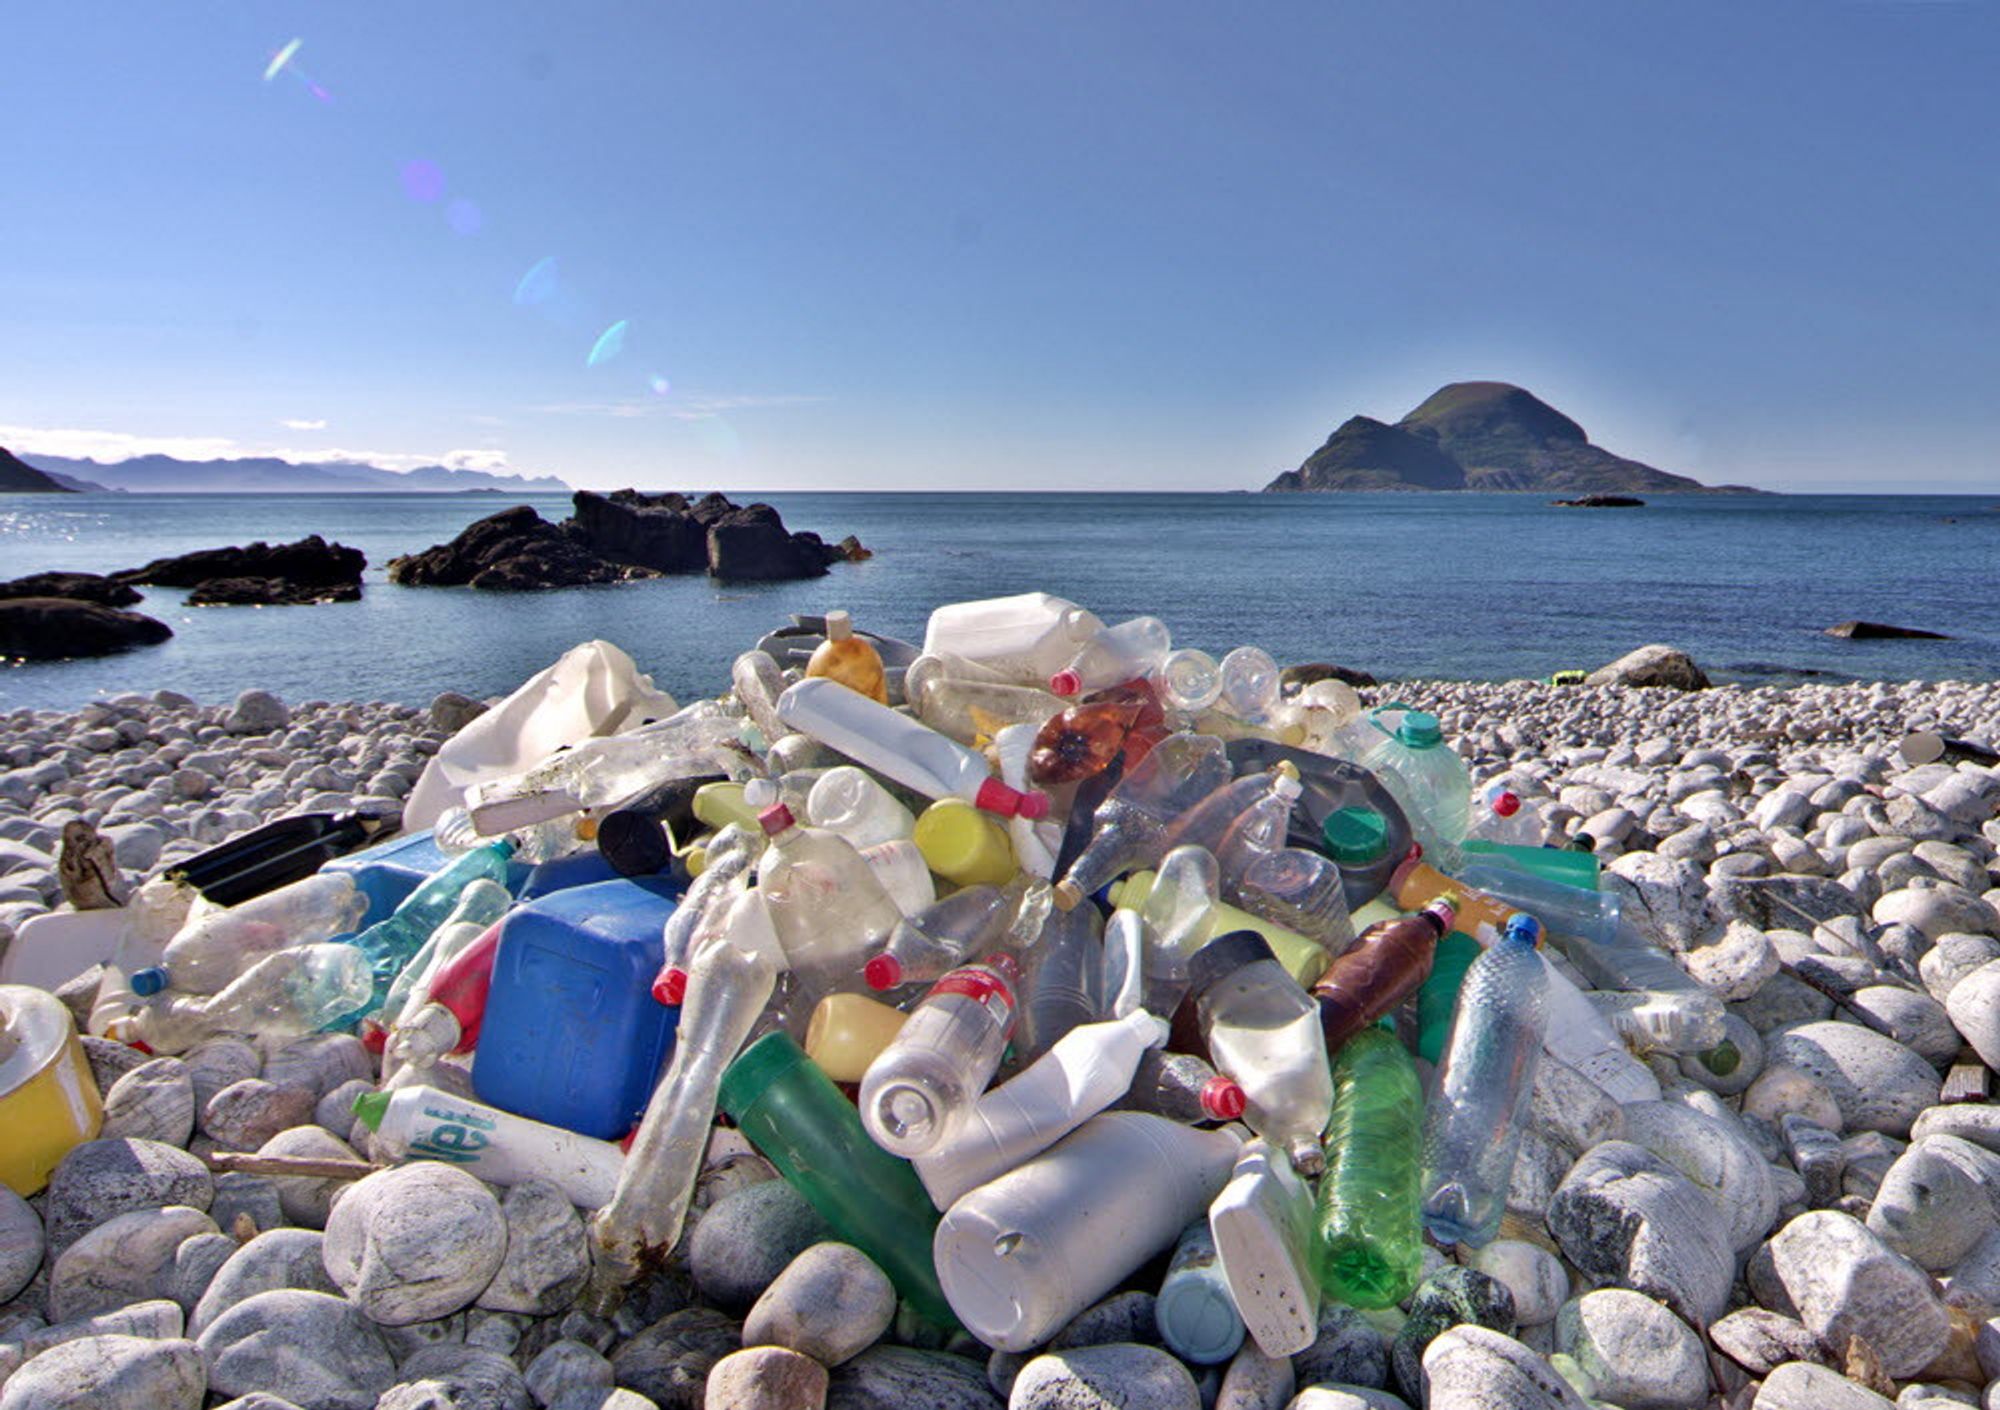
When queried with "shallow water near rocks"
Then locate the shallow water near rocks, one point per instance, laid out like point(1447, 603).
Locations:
point(1442, 586)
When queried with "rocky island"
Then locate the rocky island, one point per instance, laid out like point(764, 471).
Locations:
point(19, 477)
point(1479, 436)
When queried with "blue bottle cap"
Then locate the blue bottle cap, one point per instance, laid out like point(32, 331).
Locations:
point(149, 981)
point(1420, 730)
point(1524, 929)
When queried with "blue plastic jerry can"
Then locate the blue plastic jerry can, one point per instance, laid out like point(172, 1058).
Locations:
point(572, 1035)
point(389, 871)
point(583, 868)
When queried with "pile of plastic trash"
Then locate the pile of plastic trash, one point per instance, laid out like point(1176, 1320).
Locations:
point(1026, 958)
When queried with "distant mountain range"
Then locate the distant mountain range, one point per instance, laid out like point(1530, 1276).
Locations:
point(19, 477)
point(162, 474)
point(1479, 436)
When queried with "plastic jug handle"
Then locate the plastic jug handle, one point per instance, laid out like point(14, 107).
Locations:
point(1391, 705)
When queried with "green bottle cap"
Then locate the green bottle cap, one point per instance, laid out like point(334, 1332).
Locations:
point(1420, 730)
point(371, 1107)
point(1355, 837)
point(756, 1070)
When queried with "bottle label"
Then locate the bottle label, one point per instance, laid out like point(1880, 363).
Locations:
point(455, 1136)
point(984, 987)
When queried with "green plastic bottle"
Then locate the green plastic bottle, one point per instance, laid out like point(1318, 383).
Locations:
point(1578, 869)
point(1368, 1241)
point(799, 1121)
point(1437, 1001)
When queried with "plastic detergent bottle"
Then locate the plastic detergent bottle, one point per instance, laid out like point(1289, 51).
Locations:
point(219, 943)
point(1428, 779)
point(1130, 825)
point(1369, 1243)
point(850, 802)
point(849, 659)
point(1022, 1254)
point(1263, 1030)
point(1262, 1225)
point(1133, 649)
point(1026, 638)
point(929, 944)
point(900, 748)
point(1385, 965)
point(1479, 1102)
point(964, 845)
point(1197, 1317)
point(847, 1032)
point(923, 1085)
point(828, 907)
point(287, 994)
point(423, 1123)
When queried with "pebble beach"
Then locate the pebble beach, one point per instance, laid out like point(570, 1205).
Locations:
point(1816, 1229)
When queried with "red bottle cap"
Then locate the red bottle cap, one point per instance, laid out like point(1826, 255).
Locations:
point(1065, 683)
point(775, 819)
point(882, 972)
point(1506, 804)
point(996, 797)
point(374, 1036)
point(1222, 1098)
point(671, 987)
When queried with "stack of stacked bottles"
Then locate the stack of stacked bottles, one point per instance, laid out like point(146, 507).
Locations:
point(1057, 957)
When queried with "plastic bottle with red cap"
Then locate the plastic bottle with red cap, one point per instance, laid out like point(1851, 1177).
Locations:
point(829, 910)
point(921, 1087)
point(449, 1020)
point(1263, 1029)
point(1132, 650)
point(925, 946)
point(1501, 815)
point(1130, 827)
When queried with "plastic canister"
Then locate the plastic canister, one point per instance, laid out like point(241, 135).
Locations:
point(1196, 1315)
point(847, 1031)
point(571, 1035)
point(49, 1101)
point(1021, 1255)
point(798, 1120)
point(964, 845)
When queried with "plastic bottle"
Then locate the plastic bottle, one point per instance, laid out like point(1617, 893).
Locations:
point(1197, 920)
point(1133, 649)
point(1123, 984)
point(1369, 1243)
point(1021, 1255)
point(220, 943)
point(898, 747)
point(1262, 1227)
point(963, 845)
point(850, 802)
point(1417, 883)
point(605, 771)
point(277, 854)
point(1088, 1068)
point(1563, 865)
point(456, 834)
point(1263, 1030)
point(1130, 826)
point(648, 834)
point(1183, 1088)
point(1085, 738)
point(727, 990)
point(798, 1120)
point(828, 907)
point(899, 868)
point(1479, 1101)
point(1564, 910)
point(1062, 981)
point(1437, 1000)
point(1189, 681)
point(453, 1009)
point(1195, 1313)
point(1582, 1037)
point(1250, 684)
point(759, 681)
point(287, 994)
point(1247, 818)
point(922, 1086)
point(971, 711)
point(1178, 907)
point(847, 1032)
point(1301, 891)
point(849, 659)
point(1499, 814)
point(1026, 638)
point(423, 1123)
point(1428, 779)
point(928, 945)
point(480, 907)
point(731, 854)
point(1035, 842)
point(388, 945)
point(1384, 966)
point(1678, 1013)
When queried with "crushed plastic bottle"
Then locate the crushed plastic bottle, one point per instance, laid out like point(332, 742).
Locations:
point(600, 773)
point(1132, 650)
point(220, 943)
point(287, 994)
point(1130, 828)
point(828, 907)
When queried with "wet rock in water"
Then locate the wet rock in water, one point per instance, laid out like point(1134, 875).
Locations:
point(1477, 1368)
point(904, 1376)
point(83, 587)
point(752, 543)
point(270, 592)
point(415, 1242)
point(110, 1373)
point(282, 1258)
point(1881, 631)
point(1450, 1297)
point(22, 1244)
point(1846, 1282)
point(314, 1350)
point(670, 1360)
point(548, 1254)
point(768, 1378)
point(1635, 1352)
point(747, 1239)
point(309, 561)
point(830, 1303)
point(1628, 1218)
point(649, 531)
point(60, 628)
point(152, 1102)
point(124, 1260)
point(1124, 1375)
point(513, 551)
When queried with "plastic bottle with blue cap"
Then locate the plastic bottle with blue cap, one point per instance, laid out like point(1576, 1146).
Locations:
point(1194, 1311)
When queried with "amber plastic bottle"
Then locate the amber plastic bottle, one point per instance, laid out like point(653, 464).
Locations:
point(847, 658)
point(1387, 964)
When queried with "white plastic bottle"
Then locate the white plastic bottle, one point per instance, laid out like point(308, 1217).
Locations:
point(1581, 1037)
point(850, 802)
point(1264, 1030)
point(1089, 1068)
point(1021, 1255)
point(923, 1086)
point(1262, 1226)
point(423, 1123)
point(1025, 638)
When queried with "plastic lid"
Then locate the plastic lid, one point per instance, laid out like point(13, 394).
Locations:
point(1505, 803)
point(1420, 730)
point(371, 1107)
point(996, 797)
point(671, 986)
point(1355, 836)
point(1223, 1098)
point(882, 971)
point(1197, 1319)
point(148, 981)
point(1523, 929)
point(1222, 957)
point(1445, 910)
point(1286, 786)
point(756, 1070)
point(1065, 683)
point(839, 624)
point(776, 819)
point(374, 1036)
point(633, 844)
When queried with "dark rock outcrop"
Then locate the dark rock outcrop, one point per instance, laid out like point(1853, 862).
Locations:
point(84, 587)
point(514, 550)
point(1601, 501)
point(1878, 631)
point(269, 592)
point(751, 543)
point(1366, 454)
point(58, 628)
point(312, 561)
point(19, 477)
point(650, 531)
point(1313, 672)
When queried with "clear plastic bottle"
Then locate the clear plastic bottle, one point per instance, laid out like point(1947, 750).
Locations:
point(1680, 1015)
point(1131, 825)
point(605, 771)
point(1189, 681)
point(829, 910)
point(1479, 1101)
point(390, 943)
point(1499, 814)
point(973, 710)
point(928, 945)
point(1247, 818)
point(287, 994)
point(921, 1088)
point(849, 659)
point(759, 681)
point(1181, 1087)
point(851, 802)
point(456, 834)
point(1428, 778)
point(1250, 684)
point(1062, 981)
point(1132, 650)
point(1369, 1240)
point(1190, 914)
point(1262, 1225)
point(479, 907)
point(1387, 963)
point(731, 854)
point(900, 748)
point(1581, 1036)
point(1263, 1030)
point(727, 990)
point(1026, 638)
point(449, 1017)
point(903, 874)
point(220, 943)
point(1302, 891)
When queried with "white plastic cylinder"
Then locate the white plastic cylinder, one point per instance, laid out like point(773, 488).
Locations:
point(503, 1149)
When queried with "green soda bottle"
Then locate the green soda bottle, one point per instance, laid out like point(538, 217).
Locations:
point(1437, 1001)
point(799, 1121)
point(1368, 1241)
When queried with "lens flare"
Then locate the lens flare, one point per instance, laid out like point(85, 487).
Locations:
point(609, 344)
point(660, 386)
point(464, 217)
point(422, 181)
point(280, 59)
point(539, 284)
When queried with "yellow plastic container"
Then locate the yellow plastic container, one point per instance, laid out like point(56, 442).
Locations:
point(964, 845)
point(49, 1102)
point(717, 805)
point(846, 1031)
point(1303, 958)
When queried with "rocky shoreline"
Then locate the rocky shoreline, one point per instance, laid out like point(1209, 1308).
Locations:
point(1768, 1235)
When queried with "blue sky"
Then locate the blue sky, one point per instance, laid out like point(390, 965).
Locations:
point(915, 245)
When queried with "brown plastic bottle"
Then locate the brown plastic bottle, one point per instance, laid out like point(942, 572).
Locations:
point(846, 658)
point(1085, 738)
point(1387, 964)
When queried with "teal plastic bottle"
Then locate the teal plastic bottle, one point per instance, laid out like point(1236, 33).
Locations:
point(1368, 1240)
point(392, 943)
point(799, 1121)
